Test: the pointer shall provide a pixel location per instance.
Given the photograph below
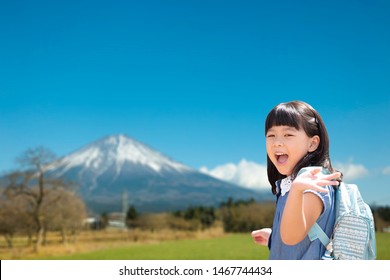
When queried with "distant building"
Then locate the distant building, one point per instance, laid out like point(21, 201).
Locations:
point(116, 220)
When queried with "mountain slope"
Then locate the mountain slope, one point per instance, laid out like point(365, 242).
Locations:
point(107, 168)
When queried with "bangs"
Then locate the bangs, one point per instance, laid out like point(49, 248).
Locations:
point(283, 114)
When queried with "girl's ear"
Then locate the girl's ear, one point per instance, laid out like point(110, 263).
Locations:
point(314, 142)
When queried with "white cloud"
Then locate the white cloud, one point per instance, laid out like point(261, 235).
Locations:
point(254, 176)
point(246, 174)
point(351, 171)
point(386, 170)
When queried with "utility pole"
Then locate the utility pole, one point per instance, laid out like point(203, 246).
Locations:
point(125, 205)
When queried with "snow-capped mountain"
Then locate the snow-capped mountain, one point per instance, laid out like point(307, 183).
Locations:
point(110, 166)
point(114, 154)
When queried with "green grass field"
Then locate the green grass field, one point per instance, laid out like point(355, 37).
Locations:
point(231, 247)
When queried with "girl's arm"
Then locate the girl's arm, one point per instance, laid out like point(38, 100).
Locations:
point(303, 209)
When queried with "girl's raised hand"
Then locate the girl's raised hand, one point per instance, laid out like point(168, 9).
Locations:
point(314, 179)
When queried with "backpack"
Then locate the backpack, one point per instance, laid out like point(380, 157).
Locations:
point(353, 235)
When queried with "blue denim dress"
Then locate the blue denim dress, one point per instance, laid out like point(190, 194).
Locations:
point(306, 249)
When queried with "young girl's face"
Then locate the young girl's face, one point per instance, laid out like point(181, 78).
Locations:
point(286, 146)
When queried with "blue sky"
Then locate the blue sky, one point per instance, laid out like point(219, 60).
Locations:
point(196, 79)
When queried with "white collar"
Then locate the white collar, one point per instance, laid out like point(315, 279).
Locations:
point(285, 185)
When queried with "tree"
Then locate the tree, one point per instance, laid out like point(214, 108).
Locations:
point(68, 214)
point(200, 216)
point(34, 185)
point(244, 216)
point(14, 216)
point(381, 217)
point(131, 216)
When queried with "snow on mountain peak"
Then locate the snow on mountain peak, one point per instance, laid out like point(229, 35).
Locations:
point(117, 150)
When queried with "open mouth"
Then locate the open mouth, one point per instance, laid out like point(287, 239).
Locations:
point(281, 158)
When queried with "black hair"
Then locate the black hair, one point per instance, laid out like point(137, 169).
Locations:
point(299, 115)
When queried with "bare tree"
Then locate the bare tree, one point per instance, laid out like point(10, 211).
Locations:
point(67, 216)
point(8, 227)
point(34, 185)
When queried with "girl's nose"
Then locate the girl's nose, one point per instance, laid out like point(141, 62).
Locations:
point(278, 142)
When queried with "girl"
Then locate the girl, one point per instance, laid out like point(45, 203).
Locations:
point(302, 178)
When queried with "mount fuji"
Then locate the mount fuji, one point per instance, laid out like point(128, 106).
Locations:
point(107, 168)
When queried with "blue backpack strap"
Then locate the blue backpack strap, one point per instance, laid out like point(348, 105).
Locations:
point(317, 232)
